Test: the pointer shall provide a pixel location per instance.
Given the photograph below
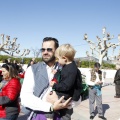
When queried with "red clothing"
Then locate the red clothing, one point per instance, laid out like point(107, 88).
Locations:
point(21, 75)
point(0, 72)
point(9, 98)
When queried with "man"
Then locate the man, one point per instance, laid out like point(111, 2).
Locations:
point(117, 81)
point(36, 82)
point(94, 80)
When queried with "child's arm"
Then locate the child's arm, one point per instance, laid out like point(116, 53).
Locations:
point(66, 83)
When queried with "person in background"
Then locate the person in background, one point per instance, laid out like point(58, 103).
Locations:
point(69, 83)
point(94, 79)
point(117, 81)
point(21, 70)
point(9, 60)
point(34, 60)
point(9, 92)
point(1, 76)
point(5, 61)
point(31, 63)
point(15, 63)
point(36, 83)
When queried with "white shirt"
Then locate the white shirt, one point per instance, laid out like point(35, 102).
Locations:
point(88, 78)
point(50, 77)
point(28, 99)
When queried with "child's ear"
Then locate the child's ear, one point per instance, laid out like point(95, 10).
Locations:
point(64, 58)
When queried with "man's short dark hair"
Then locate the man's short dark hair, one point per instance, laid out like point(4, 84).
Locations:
point(97, 65)
point(52, 39)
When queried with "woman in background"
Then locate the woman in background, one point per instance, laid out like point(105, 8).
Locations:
point(9, 92)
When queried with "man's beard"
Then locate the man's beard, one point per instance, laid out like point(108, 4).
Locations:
point(49, 60)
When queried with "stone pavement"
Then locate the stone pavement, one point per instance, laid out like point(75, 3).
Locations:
point(111, 105)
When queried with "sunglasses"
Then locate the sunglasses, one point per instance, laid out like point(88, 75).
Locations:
point(48, 49)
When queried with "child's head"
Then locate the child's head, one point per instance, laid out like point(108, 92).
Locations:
point(97, 66)
point(65, 54)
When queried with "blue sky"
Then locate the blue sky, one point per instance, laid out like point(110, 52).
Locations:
point(67, 20)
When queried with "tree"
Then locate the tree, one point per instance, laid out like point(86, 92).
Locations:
point(36, 52)
point(11, 48)
point(101, 47)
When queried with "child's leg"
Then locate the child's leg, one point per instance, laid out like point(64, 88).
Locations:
point(66, 114)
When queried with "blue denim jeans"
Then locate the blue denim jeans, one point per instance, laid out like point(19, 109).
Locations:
point(12, 117)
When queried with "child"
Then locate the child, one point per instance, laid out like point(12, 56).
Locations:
point(70, 82)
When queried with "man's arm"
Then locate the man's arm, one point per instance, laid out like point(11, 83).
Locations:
point(28, 99)
point(117, 76)
point(58, 104)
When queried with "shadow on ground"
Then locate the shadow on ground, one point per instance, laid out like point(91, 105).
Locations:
point(105, 107)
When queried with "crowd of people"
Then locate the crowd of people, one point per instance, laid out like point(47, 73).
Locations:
point(51, 88)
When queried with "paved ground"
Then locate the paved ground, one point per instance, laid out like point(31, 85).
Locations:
point(111, 106)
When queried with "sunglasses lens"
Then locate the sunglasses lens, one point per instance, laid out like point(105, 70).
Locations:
point(48, 49)
point(42, 49)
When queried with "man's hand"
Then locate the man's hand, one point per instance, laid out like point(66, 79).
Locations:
point(61, 105)
point(52, 97)
point(99, 83)
point(58, 103)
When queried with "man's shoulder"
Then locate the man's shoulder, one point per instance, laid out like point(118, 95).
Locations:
point(37, 64)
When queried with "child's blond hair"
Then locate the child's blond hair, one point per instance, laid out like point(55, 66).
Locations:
point(65, 50)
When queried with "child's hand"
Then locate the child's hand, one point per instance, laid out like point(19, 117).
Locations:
point(54, 71)
point(52, 83)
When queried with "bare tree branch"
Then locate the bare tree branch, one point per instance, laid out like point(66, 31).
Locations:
point(11, 47)
point(102, 47)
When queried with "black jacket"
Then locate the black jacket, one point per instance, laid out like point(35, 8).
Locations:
point(117, 77)
point(70, 83)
